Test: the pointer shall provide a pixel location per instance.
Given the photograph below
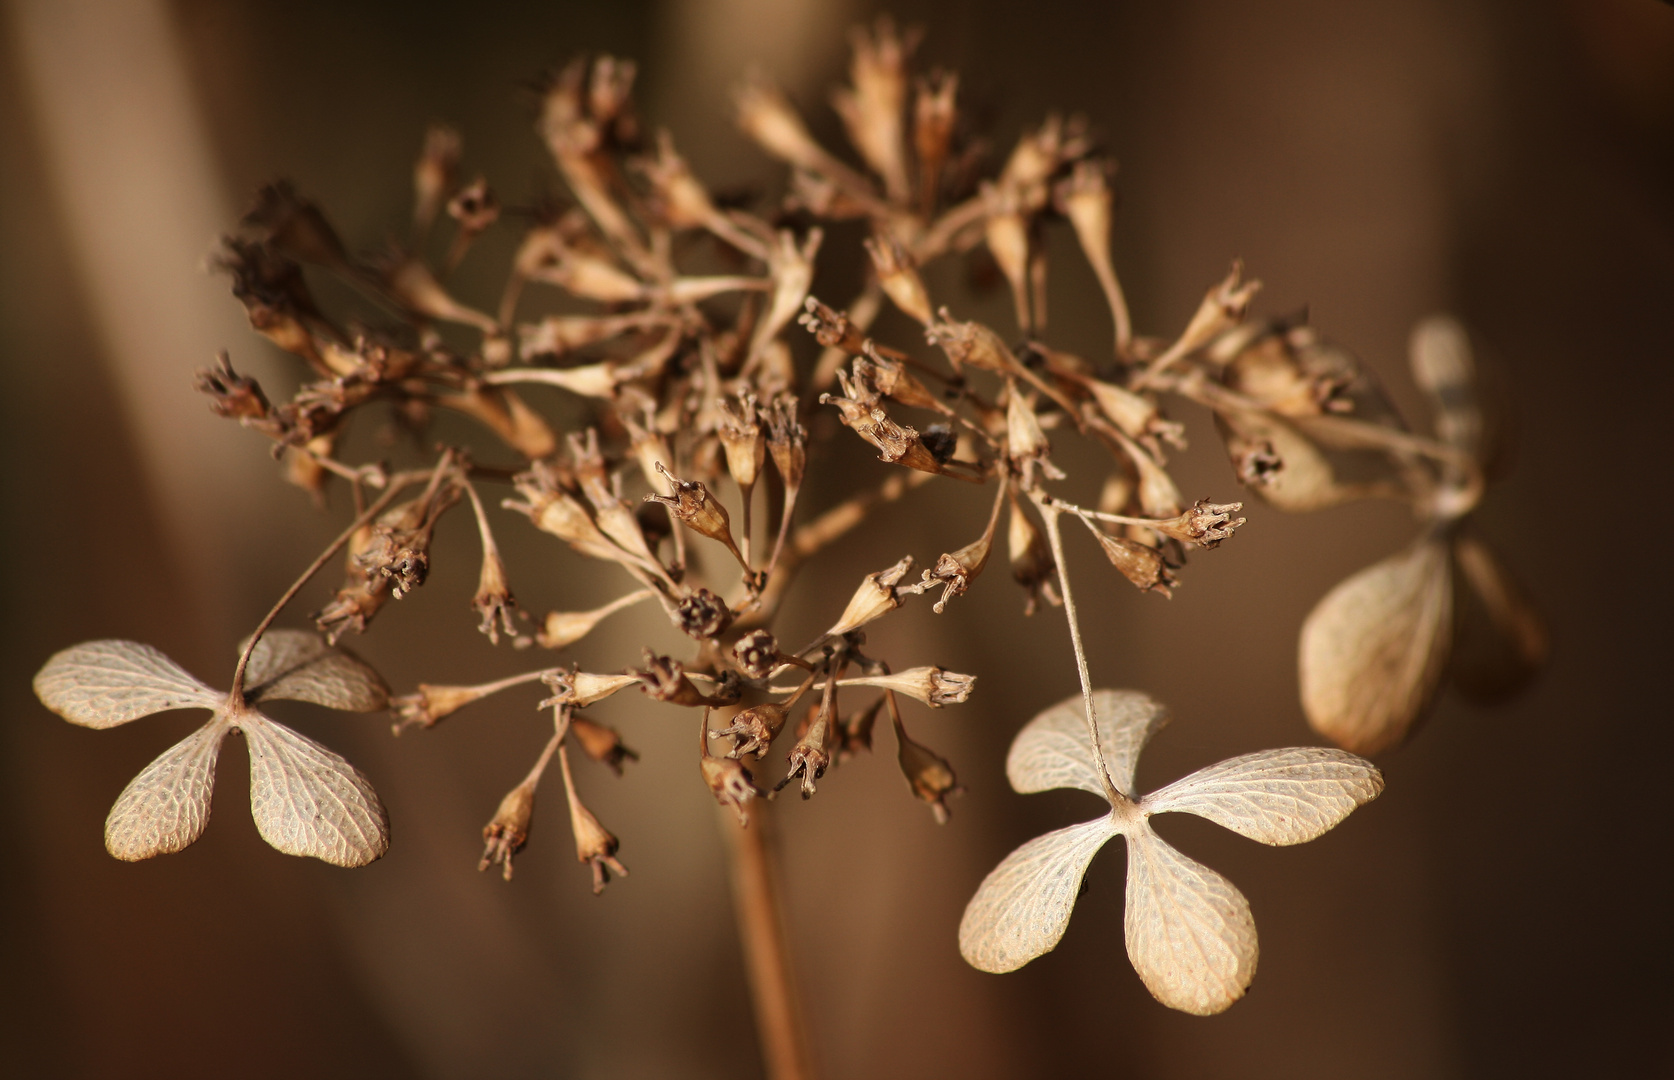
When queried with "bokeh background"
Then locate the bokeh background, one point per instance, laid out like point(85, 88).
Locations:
point(1503, 910)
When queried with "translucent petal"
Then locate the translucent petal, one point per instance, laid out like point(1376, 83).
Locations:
point(1373, 650)
point(100, 684)
point(166, 807)
point(301, 666)
point(1275, 796)
point(1052, 750)
point(1189, 930)
point(1021, 909)
point(308, 801)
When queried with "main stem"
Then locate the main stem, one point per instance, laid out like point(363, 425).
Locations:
point(1055, 536)
point(761, 929)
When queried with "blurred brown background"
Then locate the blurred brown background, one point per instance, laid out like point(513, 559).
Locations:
point(1504, 910)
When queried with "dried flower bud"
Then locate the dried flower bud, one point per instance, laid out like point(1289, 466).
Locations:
point(411, 282)
point(931, 685)
point(602, 744)
point(493, 600)
point(933, 118)
point(730, 782)
point(857, 731)
point(896, 443)
point(956, 570)
point(294, 225)
point(434, 174)
point(1136, 414)
point(741, 437)
point(1032, 564)
point(703, 615)
point(831, 328)
point(872, 110)
point(1206, 524)
point(430, 704)
point(665, 679)
point(753, 730)
point(555, 511)
point(1007, 235)
point(1026, 443)
point(505, 835)
point(972, 344)
point(702, 512)
point(1276, 461)
point(1086, 200)
point(594, 845)
point(875, 598)
point(580, 689)
point(929, 774)
point(1373, 649)
point(680, 198)
point(787, 440)
point(892, 379)
point(811, 755)
point(767, 117)
point(756, 653)
point(231, 394)
point(898, 275)
point(1139, 563)
point(1222, 308)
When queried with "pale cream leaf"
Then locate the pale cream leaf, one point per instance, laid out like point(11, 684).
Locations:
point(299, 665)
point(1189, 930)
point(1274, 796)
point(309, 801)
point(1021, 909)
point(166, 807)
point(100, 684)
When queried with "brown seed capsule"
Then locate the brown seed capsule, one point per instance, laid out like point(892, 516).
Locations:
point(933, 118)
point(429, 704)
point(563, 628)
point(857, 731)
point(753, 730)
point(594, 845)
point(1373, 649)
point(505, 835)
point(434, 174)
point(931, 685)
point(579, 689)
point(703, 615)
point(742, 439)
point(928, 774)
point(875, 598)
point(1032, 564)
point(898, 275)
point(787, 440)
point(602, 744)
point(756, 653)
point(701, 511)
point(1278, 462)
point(1206, 524)
point(811, 755)
point(1139, 563)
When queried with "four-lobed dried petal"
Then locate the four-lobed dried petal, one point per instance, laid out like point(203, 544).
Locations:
point(1052, 750)
point(100, 684)
point(166, 807)
point(1189, 930)
point(1278, 797)
point(309, 801)
point(1373, 650)
point(1021, 909)
point(299, 665)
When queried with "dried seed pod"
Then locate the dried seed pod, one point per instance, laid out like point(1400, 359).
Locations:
point(1279, 463)
point(562, 628)
point(1086, 200)
point(1032, 565)
point(579, 689)
point(1206, 524)
point(602, 744)
point(742, 439)
point(703, 615)
point(933, 118)
point(898, 275)
point(753, 730)
point(1007, 234)
point(928, 774)
point(430, 704)
point(1139, 563)
point(756, 653)
point(872, 109)
point(594, 845)
point(507, 832)
point(701, 511)
point(931, 685)
point(1373, 649)
point(435, 174)
point(876, 597)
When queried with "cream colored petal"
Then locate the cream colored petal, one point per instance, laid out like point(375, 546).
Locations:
point(1052, 750)
point(100, 684)
point(1373, 650)
point(308, 801)
point(166, 807)
point(299, 665)
point(1021, 909)
point(1274, 796)
point(1189, 930)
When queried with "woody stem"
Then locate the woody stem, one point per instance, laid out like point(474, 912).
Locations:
point(761, 930)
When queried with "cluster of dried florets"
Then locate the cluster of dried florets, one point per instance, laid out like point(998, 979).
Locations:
point(671, 319)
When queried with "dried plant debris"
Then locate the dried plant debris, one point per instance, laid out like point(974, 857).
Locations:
point(306, 800)
point(1189, 931)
